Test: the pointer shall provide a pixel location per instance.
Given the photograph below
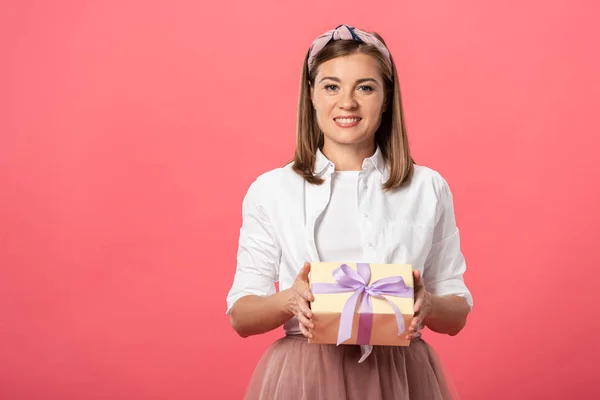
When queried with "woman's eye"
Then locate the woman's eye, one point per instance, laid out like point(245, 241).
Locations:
point(331, 87)
point(365, 88)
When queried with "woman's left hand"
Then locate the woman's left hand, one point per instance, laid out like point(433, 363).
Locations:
point(423, 306)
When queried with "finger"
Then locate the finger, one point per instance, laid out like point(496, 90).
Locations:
point(418, 286)
point(417, 278)
point(418, 303)
point(304, 287)
point(304, 292)
point(308, 296)
point(304, 308)
point(413, 329)
point(303, 274)
point(304, 331)
point(414, 323)
point(305, 321)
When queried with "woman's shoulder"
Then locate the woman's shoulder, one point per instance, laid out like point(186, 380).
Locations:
point(277, 176)
point(427, 175)
point(274, 181)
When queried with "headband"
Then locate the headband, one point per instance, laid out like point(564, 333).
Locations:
point(345, 32)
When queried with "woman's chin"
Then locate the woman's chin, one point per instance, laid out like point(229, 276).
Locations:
point(350, 140)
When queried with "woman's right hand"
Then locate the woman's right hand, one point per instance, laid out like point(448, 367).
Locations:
point(301, 296)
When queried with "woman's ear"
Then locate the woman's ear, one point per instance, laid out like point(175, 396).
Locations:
point(384, 107)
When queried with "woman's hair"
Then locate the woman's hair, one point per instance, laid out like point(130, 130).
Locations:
point(390, 136)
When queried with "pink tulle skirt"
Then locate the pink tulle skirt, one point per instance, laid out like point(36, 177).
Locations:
point(293, 369)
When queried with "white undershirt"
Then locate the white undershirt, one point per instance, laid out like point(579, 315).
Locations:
point(337, 233)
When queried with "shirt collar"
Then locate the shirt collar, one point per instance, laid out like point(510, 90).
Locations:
point(324, 165)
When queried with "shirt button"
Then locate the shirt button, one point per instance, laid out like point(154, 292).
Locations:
point(365, 187)
point(366, 215)
point(369, 244)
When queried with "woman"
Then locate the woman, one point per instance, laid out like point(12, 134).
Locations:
point(352, 194)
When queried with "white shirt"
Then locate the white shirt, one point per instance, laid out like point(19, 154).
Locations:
point(337, 231)
point(411, 225)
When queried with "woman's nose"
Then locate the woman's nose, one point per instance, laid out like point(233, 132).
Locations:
point(348, 101)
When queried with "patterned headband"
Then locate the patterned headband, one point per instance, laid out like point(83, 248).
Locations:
point(345, 32)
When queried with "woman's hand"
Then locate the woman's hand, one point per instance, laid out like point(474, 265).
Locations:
point(301, 296)
point(423, 306)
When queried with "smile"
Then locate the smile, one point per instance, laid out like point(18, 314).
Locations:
point(347, 122)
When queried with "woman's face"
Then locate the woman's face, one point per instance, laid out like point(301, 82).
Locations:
point(349, 97)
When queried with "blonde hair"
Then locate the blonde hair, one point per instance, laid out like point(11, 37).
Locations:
point(391, 135)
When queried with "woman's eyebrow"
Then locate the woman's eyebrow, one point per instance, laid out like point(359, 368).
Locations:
point(367, 80)
point(359, 81)
point(331, 78)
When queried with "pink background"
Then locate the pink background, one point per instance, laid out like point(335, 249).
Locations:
point(130, 130)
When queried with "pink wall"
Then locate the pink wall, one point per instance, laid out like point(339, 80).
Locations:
point(130, 130)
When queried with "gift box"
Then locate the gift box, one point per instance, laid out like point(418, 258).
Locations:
point(361, 303)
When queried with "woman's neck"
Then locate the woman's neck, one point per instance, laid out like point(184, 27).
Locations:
point(348, 157)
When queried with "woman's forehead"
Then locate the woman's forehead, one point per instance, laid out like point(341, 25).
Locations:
point(350, 67)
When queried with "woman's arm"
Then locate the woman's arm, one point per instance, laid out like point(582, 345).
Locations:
point(448, 314)
point(442, 314)
point(442, 300)
point(254, 315)
point(252, 303)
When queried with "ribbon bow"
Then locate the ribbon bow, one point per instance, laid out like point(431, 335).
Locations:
point(345, 32)
point(348, 280)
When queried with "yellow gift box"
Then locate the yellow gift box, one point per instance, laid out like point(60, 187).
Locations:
point(360, 303)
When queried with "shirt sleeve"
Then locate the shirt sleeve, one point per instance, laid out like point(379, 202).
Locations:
point(445, 265)
point(258, 255)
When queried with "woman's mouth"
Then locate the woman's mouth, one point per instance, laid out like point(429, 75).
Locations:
point(347, 122)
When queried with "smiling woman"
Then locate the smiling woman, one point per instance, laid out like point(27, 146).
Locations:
point(346, 197)
point(351, 84)
point(349, 98)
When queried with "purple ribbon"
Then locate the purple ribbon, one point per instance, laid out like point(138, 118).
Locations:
point(348, 280)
